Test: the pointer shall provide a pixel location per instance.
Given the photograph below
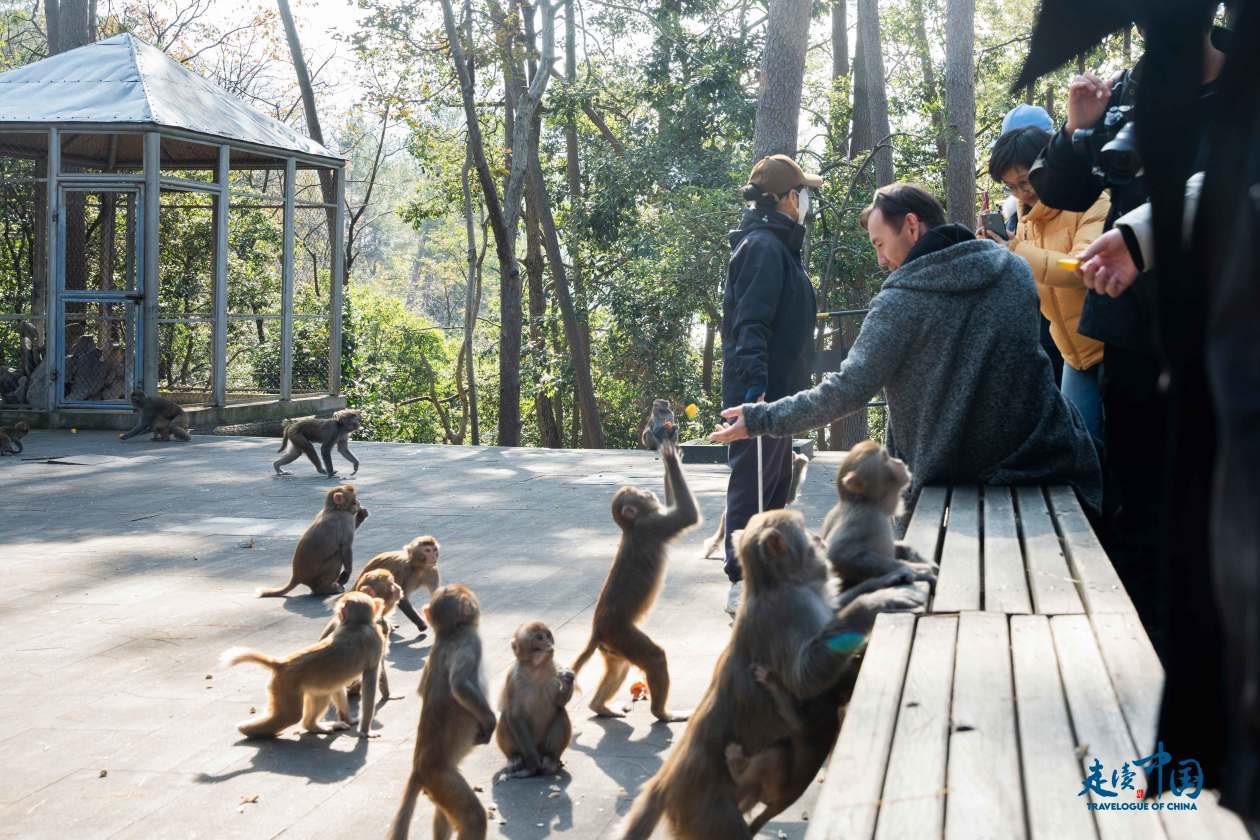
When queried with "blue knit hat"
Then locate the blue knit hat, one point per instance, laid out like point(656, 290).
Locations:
point(1024, 115)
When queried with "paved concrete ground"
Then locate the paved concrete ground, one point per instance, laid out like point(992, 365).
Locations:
point(131, 567)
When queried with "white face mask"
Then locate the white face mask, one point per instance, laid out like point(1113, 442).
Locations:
point(802, 205)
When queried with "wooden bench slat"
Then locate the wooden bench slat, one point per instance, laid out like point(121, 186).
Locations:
point(1100, 727)
point(1136, 673)
point(958, 587)
point(1211, 820)
point(1005, 581)
point(923, 534)
point(849, 801)
point(914, 787)
point(1052, 585)
point(1051, 771)
point(1100, 586)
point(983, 745)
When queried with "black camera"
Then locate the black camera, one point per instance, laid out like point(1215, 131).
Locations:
point(1111, 143)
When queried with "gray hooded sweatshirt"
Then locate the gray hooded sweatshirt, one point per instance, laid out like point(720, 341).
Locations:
point(953, 338)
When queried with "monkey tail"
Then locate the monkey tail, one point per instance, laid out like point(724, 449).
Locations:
point(584, 655)
point(237, 655)
point(181, 433)
point(276, 593)
point(645, 813)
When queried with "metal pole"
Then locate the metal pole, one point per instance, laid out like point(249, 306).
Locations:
point(761, 487)
point(152, 226)
point(286, 284)
point(52, 288)
point(338, 282)
point(219, 330)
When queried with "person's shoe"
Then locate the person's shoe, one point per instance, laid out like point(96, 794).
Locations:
point(732, 598)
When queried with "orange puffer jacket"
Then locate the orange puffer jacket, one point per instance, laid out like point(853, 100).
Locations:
point(1042, 238)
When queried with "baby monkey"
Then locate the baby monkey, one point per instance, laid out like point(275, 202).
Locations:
point(858, 530)
point(302, 683)
point(164, 417)
point(378, 584)
point(412, 567)
point(765, 776)
point(302, 435)
point(11, 437)
point(660, 427)
point(534, 727)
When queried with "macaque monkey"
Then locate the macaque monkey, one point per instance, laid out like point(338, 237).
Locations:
point(800, 466)
point(323, 556)
point(763, 776)
point(302, 435)
point(786, 624)
point(162, 416)
point(534, 728)
point(660, 426)
point(11, 437)
point(412, 567)
point(380, 585)
point(302, 683)
point(454, 717)
point(632, 585)
point(858, 530)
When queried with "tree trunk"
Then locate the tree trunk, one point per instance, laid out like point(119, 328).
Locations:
point(876, 92)
point(1050, 101)
point(860, 137)
point(706, 370)
point(960, 112)
point(782, 70)
point(931, 93)
point(548, 431)
point(839, 38)
point(470, 299)
point(851, 429)
point(312, 117)
point(573, 171)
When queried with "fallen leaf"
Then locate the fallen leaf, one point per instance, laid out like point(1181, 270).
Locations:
point(249, 800)
point(104, 773)
point(477, 788)
point(209, 676)
point(252, 710)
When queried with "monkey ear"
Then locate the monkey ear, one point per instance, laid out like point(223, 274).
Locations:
point(776, 545)
point(852, 483)
point(339, 497)
point(516, 649)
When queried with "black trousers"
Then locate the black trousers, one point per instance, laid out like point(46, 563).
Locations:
point(741, 489)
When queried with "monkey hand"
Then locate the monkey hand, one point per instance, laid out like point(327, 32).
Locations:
point(566, 675)
point(485, 732)
point(859, 615)
point(760, 673)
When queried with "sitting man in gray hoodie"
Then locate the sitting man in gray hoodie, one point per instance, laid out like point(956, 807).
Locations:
point(953, 338)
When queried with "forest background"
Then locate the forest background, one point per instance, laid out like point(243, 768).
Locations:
point(540, 192)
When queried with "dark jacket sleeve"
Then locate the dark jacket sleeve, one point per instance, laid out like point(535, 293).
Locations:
point(758, 280)
point(1064, 179)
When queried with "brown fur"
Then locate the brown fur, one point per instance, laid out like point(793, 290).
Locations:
point(302, 435)
point(380, 585)
point(11, 437)
point(766, 776)
point(534, 728)
point(632, 585)
point(660, 426)
point(323, 557)
point(454, 717)
point(164, 417)
point(414, 566)
point(302, 683)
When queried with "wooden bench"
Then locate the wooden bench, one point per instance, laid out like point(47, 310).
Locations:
point(982, 717)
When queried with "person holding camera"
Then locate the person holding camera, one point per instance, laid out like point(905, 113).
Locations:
point(1043, 237)
point(768, 316)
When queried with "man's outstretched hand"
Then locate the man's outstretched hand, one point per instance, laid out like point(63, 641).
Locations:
point(1107, 267)
point(737, 430)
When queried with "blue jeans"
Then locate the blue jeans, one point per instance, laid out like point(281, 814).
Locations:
point(1080, 387)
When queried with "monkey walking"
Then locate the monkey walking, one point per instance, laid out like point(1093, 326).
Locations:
point(162, 416)
point(11, 437)
point(414, 566)
point(303, 683)
point(858, 530)
point(632, 585)
point(300, 437)
point(323, 556)
point(800, 466)
point(454, 717)
point(786, 624)
point(534, 728)
point(380, 585)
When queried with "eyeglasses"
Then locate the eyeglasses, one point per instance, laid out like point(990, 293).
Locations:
point(1022, 185)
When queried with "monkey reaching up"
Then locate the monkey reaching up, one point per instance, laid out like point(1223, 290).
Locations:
point(302, 435)
point(858, 530)
point(534, 728)
point(454, 717)
point(11, 437)
point(302, 683)
point(380, 585)
point(800, 465)
point(632, 585)
point(414, 566)
point(660, 426)
point(323, 556)
point(162, 416)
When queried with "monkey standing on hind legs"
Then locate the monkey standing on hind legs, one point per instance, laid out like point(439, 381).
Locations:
point(11, 437)
point(534, 728)
point(414, 566)
point(164, 417)
point(380, 585)
point(800, 465)
point(302, 683)
point(302, 434)
point(632, 585)
point(324, 555)
point(454, 717)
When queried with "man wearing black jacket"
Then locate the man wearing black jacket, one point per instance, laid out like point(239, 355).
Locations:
point(768, 315)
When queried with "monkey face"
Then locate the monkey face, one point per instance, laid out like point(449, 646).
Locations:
point(534, 644)
point(137, 398)
point(343, 498)
point(349, 419)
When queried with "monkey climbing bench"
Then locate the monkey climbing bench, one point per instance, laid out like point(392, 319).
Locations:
point(161, 234)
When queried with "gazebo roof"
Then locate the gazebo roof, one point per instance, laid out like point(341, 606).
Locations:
point(123, 83)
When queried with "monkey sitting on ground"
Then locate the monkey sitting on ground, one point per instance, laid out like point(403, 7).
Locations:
point(302, 435)
point(858, 530)
point(323, 556)
point(380, 585)
point(660, 426)
point(412, 567)
point(632, 585)
point(11, 437)
point(786, 624)
point(800, 465)
point(534, 728)
point(454, 717)
point(163, 416)
point(302, 683)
